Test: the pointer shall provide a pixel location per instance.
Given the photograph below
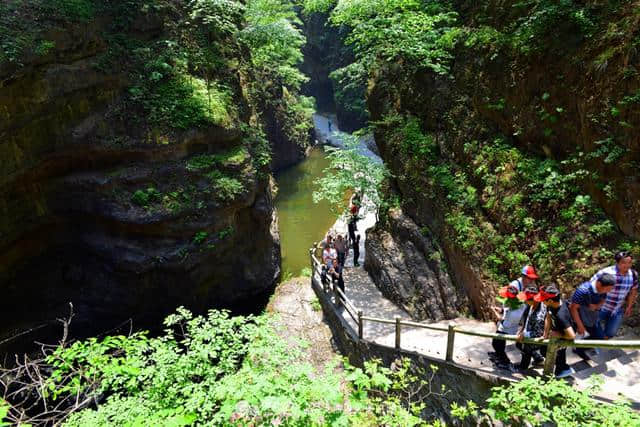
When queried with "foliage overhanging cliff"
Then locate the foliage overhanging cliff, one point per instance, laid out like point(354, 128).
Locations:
point(510, 128)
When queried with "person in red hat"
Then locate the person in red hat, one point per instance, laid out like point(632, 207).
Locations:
point(512, 309)
point(557, 325)
point(529, 277)
point(531, 326)
point(507, 315)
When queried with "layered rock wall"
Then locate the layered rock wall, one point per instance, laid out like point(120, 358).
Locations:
point(410, 269)
point(124, 221)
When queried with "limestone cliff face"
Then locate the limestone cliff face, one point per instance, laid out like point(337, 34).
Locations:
point(410, 269)
point(123, 222)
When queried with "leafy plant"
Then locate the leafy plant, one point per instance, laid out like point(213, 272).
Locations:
point(4, 410)
point(349, 171)
point(144, 197)
point(537, 401)
point(200, 237)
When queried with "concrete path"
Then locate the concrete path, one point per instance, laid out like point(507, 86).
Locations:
point(620, 369)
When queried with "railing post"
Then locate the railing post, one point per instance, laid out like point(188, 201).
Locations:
point(451, 335)
point(550, 357)
point(398, 332)
point(360, 326)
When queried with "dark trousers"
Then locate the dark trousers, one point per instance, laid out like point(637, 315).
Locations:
point(561, 360)
point(356, 253)
point(341, 257)
point(530, 351)
point(498, 347)
point(351, 226)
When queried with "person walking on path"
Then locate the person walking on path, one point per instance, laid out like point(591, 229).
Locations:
point(585, 306)
point(557, 325)
point(509, 315)
point(620, 300)
point(341, 247)
point(356, 251)
point(531, 326)
point(329, 125)
point(351, 227)
point(512, 309)
point(329, 255)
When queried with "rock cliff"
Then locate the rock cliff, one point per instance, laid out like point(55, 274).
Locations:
point(409, 269)
point(525, 149)
point(122, 189)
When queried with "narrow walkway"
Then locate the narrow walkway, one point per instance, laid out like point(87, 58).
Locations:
point(620, 369)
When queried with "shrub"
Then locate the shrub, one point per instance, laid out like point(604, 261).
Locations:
point(537, 401)
point(144, 197)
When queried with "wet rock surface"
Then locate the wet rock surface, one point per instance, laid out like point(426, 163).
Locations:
point(411, 271)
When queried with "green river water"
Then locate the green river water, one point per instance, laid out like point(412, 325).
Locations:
point(302, 222)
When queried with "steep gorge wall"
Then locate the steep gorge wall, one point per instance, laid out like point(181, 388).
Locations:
point(520, 154)
point(124, 218)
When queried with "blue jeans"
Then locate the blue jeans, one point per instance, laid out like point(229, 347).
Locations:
point(612, 322)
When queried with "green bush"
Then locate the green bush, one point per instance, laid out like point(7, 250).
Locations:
point(221, 370)
point(4, 410)
point(72, 10)
point(537, 401)
point(145, 197)
point(200, 237)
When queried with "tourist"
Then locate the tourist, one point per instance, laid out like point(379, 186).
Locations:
point(329, 255)
point(329, 125)
point(341, 248)
point(327, 240)
point(355, 203)
point(356, 251)
point(585, 306)
point(352, 227)
point(531, 326)
point(528, 277)
point(509, 315)
point(620, 300)
point(557, 325)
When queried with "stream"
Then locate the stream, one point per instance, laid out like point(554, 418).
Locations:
point(301, 221)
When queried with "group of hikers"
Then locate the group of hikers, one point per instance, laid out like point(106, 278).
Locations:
point(336, 247)
point(595, 311)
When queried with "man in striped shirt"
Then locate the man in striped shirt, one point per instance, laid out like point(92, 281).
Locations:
point(620, 300)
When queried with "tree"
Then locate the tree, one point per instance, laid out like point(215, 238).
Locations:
point(349, 171)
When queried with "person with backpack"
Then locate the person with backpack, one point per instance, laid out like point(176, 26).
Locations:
point(531, 326)
point(619, 302)
point(512, 309)
point(510, 313)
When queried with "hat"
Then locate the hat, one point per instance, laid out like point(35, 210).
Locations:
point(528, 294)
point(509, 291)
point(548, 292)
point(529, 271)
point(607, 280)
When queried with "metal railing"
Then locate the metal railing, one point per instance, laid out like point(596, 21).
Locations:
point(553, 345)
